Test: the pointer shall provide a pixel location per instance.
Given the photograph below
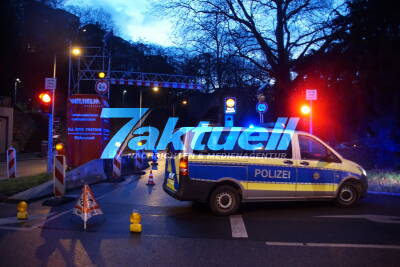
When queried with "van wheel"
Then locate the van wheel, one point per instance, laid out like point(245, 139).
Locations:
point(224, 200)
point(348, 195)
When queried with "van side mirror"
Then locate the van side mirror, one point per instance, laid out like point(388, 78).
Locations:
point(331, 158)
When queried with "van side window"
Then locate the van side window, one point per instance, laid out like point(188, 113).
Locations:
point(311, 149)
point(236, 150)
point(281, 154)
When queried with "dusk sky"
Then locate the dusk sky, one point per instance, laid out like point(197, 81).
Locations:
point(133, 20)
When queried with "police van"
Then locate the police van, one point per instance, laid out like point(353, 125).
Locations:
point(307, 169)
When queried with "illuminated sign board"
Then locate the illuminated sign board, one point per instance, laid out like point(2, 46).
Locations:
point(230, 105)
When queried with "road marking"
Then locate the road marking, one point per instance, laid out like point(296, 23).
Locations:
point(13, 220)
point(370, 217)
point(331, 245)
point(237, 226)
point(48, 218)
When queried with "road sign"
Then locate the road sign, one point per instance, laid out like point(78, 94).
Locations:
point(102, 87)
point(50, 83)
point(261, 107)
point(230, 105)
point(311, 94)
point(87, 206)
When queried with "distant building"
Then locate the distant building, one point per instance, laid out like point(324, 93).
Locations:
point(6, 123)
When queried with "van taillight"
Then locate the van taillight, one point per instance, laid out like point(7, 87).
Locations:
point(183, 166)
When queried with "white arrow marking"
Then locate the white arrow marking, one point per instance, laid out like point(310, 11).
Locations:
point(237, 226)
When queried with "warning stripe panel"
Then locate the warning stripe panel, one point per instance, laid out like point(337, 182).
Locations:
point(59, 176)
point(117, 163)
point(11, 163)
point(57, 192)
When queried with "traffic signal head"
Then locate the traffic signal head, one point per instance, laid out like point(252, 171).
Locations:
point(101, 75)
point(305, 109)
point(45, 101)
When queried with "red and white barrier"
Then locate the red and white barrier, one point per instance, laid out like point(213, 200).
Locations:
point(11, 163)
point(59, 175)
point(151, 179)
point(116, 173)
point(138, 160)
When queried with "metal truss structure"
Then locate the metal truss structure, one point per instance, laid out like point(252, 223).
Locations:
point(98, 59)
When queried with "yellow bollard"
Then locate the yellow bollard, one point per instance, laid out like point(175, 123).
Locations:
point(135, 219)
point(22, 213)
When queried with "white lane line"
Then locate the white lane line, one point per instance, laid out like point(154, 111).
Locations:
point(331, 245)
point(237, 226)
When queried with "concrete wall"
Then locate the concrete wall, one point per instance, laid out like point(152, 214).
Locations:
point(90, 172)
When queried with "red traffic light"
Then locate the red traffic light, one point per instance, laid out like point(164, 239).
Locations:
point(305, 109)
point(45, 97)
point(45, 101)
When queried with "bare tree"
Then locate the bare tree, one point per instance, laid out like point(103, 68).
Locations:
point(271, 34)
point(91, 15)
point(53, 3)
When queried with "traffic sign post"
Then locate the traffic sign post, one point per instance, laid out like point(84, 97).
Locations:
point(311, 95)
point(261, 108)
point(51, 85)
point(229, 110)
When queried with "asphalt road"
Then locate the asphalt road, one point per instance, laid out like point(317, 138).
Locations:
point(177, 234)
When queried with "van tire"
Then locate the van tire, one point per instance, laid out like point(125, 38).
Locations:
point(348, 195)
point(224, 200)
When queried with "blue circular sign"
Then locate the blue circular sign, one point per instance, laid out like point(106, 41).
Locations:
point(261, 107)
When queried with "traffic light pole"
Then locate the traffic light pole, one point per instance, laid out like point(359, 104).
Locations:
point(310, 122)
point(51, 117)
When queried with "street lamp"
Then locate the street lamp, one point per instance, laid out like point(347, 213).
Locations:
point(16, 82)
point(155, 89)
point(76, 51)
point(123, 96)
point(184, 102)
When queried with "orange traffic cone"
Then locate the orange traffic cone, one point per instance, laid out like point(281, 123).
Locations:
point(151, 179)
